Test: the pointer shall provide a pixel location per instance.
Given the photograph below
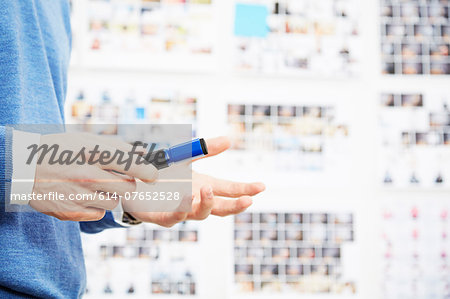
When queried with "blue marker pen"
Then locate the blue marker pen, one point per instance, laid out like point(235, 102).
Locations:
point(165, 157)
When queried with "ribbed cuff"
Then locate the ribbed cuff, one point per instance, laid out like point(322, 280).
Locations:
point(6, 161)
point(23, 174)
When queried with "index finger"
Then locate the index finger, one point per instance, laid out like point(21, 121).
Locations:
point(235, 189)
point(216, 146)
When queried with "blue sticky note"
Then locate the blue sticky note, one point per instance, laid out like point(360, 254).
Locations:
point(251, 20)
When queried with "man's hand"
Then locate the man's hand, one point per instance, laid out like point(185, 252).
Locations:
point(85, 178)
point(211, 196)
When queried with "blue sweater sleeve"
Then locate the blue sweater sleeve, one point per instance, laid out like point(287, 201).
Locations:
point(90, 227)
point(2, 161)
point(5, 162)
point(93, 227)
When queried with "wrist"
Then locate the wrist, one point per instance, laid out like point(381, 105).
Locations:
point(123, 218)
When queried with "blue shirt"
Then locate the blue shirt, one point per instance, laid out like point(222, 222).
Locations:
point(40, 255)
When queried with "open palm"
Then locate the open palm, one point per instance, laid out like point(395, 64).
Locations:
point(211, 196)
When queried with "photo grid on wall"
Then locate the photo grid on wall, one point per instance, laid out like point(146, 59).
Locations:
point(310, 141)
point(143, 261)
point(415, 140)
point(288, 253)
point(90, 106)
point(153, 26)
point(168, 35)
point(306, 37)
point(415, 37)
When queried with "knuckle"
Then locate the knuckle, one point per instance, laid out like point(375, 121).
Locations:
point(238, 207)
point(237, 188)
point(152, 176)
point(114, 204)
point(250, 190)
point(98, 215)
point(179, 217)
point(151, 173)
point(203, 217)
point(130, 186)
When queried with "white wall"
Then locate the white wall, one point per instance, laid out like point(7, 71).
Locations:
point(361, 193)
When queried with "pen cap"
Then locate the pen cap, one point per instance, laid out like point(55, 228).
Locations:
point(187, 150)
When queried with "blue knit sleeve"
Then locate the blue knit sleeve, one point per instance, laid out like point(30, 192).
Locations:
point(6, 164)
point(93, 227)
point(90, 227)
